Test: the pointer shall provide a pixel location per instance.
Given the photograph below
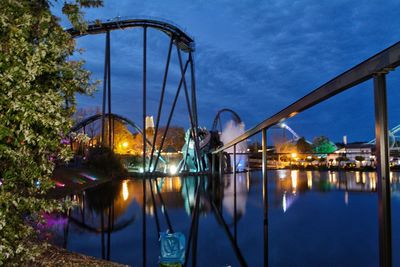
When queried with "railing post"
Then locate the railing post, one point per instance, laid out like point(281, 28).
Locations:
point(212, 164)
point(109, 89)
point(221, 164)
point(234, 160)
point(265, 193)
point(382, 169)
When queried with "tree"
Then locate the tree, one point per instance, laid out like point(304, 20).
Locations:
point(37, 88)
point(124, 140)
point(285, 148)
point(303, 146)
point(175, 138)
point(322, 145)
point(321, 160)
point(340, 159)
point(359, 159)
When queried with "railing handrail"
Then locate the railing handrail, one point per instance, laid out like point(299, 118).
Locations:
point(382, 62)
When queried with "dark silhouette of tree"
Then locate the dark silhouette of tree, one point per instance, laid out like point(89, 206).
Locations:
point(175, 138)
point(359, 158)
point(303, 146)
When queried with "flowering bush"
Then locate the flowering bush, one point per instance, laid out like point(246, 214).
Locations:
point(36, 82)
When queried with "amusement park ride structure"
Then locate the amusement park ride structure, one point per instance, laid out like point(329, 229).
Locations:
point(183, 44)
point(199, 143)
point(376, 68)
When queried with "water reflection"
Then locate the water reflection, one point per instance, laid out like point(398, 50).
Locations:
point(240, 196)
point(290, 183)
point(112, 211)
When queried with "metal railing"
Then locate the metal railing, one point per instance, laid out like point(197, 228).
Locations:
point(376, 68)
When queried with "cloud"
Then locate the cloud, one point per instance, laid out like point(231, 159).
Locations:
point(255, 57)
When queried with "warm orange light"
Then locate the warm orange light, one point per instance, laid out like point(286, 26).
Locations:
point(294, 175)
point(294, 155)
point(125, 144)
point(125, 191)
point(309, 179)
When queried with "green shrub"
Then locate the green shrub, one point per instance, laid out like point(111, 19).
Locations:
point(105, 160)
point(36, 82)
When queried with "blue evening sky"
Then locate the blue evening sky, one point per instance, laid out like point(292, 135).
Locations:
point(255, 57)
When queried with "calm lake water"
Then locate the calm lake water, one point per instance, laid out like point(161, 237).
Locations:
point(315, 219)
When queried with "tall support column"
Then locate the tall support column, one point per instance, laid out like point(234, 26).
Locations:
point(213, 165)
point(170, 118)
point(109, 88)
point(144, 143)
point(103, 109)
point(382, 159)
point(234, 195)
point(113, 132)
point(161, 103)
point(193, 89)
point(200, 167)
point(265, 193)
point(103, 246)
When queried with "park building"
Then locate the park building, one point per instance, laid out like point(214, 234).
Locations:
point(361, 153)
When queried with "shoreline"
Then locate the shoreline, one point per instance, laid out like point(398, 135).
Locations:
point(56, 256)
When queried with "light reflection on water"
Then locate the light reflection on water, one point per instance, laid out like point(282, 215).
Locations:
point(310, 215)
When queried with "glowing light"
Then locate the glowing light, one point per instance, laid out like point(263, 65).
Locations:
point(88, 176)
point(248, 181)
point(125, 192)
point(169, 184)
point(58, 184)
point(125, 144)
point(294, 175)
point(358, 177)
point(309, 179)
point(141, 169)
point(373, 182)
point(173, 169)
point(294, 155)
point(284, 204)
point(282, 174)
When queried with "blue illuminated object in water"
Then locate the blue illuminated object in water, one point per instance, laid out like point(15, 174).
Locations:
point(189, 161)
point(172, 247)
point(88, 176)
